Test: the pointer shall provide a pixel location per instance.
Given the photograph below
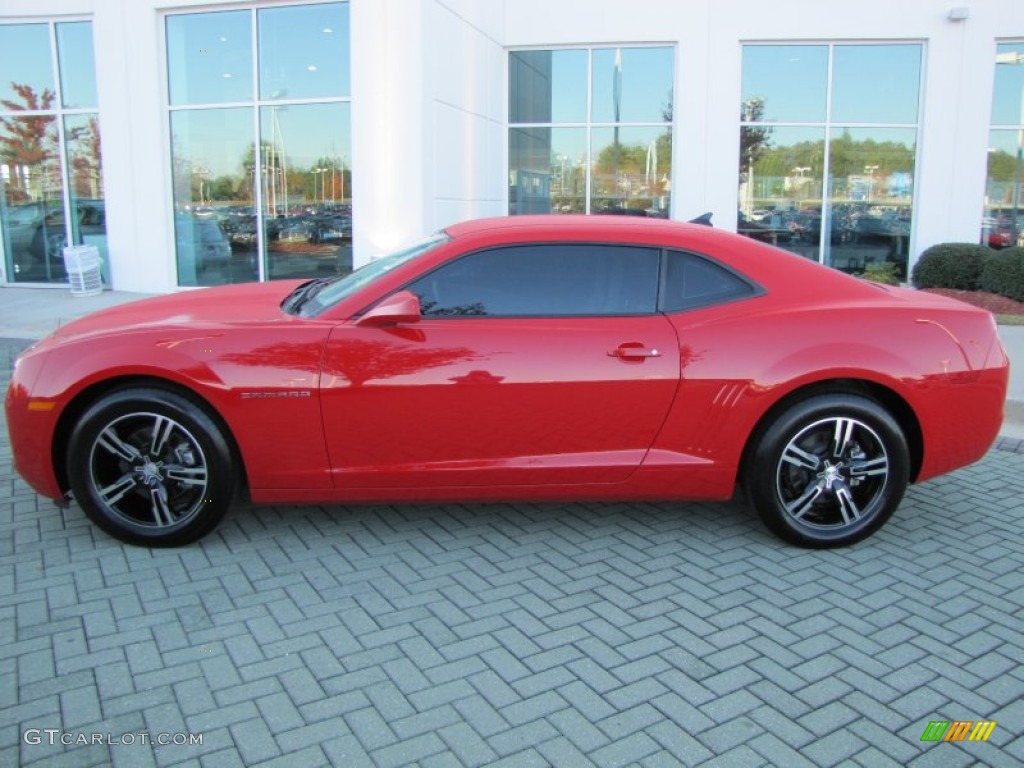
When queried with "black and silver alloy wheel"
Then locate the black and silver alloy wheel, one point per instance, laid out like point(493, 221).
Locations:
point(150, 467)
point(829, 471)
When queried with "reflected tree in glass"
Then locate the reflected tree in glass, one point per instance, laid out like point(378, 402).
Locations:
point(28, 142)
point(307, 219)
point(84, 160)
point(33, 187)
point(754, 140)
point(780, 191)
point(84, 150)
point(631, 170)
point(871, 197)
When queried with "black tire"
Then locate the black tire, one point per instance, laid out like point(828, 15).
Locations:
point(150, 467)
point(798, 474)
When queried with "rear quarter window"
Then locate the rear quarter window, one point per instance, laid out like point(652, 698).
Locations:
point(691, 281)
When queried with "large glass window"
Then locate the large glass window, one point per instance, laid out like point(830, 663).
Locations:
point(1003, 222)
point(50, 159)
point(828, 145)
point(590, 131)
point(260, 143)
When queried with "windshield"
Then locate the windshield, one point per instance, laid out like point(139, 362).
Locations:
point(331, 294)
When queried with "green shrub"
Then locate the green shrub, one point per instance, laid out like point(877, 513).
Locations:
point(1004, 274)
point(881, 272)
point(951, 265)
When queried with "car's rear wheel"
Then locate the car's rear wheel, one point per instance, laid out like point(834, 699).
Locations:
point(150, 467)
point(828, 471)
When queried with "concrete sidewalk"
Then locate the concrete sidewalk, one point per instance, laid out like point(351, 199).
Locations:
point(31, 313)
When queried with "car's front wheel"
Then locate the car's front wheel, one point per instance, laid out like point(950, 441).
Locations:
point(150, 467)
point(828, 471)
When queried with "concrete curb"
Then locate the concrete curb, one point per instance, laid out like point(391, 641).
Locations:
point(1013, 420)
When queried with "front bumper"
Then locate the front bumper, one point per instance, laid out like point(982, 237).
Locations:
point(31, 423)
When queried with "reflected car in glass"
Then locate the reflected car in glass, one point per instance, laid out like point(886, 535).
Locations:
point(201, 244)
point(50, 237)
point(527, 358)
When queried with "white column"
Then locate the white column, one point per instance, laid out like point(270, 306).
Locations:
point(389, 133)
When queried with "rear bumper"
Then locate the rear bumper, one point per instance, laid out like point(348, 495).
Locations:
point(960, 417)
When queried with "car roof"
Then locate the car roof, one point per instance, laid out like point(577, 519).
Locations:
point(548, 222)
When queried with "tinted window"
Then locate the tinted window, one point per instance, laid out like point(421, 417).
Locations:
point(692, 281)
point(543, 280)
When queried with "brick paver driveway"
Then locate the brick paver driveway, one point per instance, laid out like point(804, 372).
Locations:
point(521, 635)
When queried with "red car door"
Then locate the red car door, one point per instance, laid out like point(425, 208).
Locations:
point(471, 395)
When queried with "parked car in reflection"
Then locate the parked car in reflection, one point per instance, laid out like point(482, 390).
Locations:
point(50, 234)
point(331, 229)
point(1003, 232)
point(295, 229)
point(201, 244)
point(22, 219)
point(240, 229)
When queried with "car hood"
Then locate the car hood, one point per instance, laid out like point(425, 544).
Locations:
point(223, 305)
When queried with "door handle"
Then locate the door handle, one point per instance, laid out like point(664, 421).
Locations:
point(633, 351)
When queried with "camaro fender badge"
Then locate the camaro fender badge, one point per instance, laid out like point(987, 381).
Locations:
point(276, 394)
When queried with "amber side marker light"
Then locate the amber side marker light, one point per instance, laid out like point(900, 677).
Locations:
point(41, 405)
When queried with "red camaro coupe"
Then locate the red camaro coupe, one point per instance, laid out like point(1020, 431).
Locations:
point(523, 358)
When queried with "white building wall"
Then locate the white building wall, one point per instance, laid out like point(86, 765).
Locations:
point(466, 99)
point(427, 119)
point(429, 102)
point(389, 125)
point(131, 77)
point(957, 84)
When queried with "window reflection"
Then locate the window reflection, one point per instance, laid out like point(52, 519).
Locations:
point(306, 189)
point(1003, 218)
point(33, 210)
point(209, 57)
point(214, 215)
point(863, 214)
point(85, 184)
point(77, 69)
point(28, 80)
point(303, 51)
point(875, 83)
point(549, 170)
point(632, 85)
point(1008, 93)
point(789, 81)
point(46, 204)
point(601, 162)
point(781, 171)
point(871, 172)
point(547, 86)
point(262, 182)
point(631, 171)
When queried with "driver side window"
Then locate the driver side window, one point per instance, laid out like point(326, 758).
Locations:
point(548, 280)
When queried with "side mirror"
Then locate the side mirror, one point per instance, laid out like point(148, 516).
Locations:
point(401, 307)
